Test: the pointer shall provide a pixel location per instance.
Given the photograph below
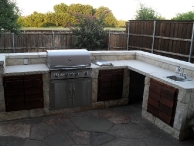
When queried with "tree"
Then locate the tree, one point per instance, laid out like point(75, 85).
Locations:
point(9, 13)
point(60, 8)
point(88, 32)
point(184, 16)
point(109, 19)
point(147, 13)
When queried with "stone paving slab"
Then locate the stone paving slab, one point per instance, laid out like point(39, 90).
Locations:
point(118, 126)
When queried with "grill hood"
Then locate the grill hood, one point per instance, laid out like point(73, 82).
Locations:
point(75, 58)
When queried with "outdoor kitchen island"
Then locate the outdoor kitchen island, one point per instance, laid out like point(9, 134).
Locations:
point(150, 65)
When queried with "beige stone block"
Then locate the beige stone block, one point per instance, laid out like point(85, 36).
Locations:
point(107, 104)
point(184, 96)
point(148, 116)
point(190, 114)
point(98, 105)
point(37, 61)
point(4, 116)
point(126, 72)
point(84, 108)
point(146, 89)
point(1, 92)
point(94, 90)
point(147, 81)
point(2, 105)
point(140, 58)
point(145, 102)
point(175, 133)
point(64, 111)
point(1, 80)
point(109, 58)
point(119, 102)
point(46, 77)
point(125, 88)
point(46, 94)
point(39, 112)
point(92, 58)
point(95, 73)
point(124, 57)
point(165, 65)
point(191, 103)
point(180, 116)
point(14, 61)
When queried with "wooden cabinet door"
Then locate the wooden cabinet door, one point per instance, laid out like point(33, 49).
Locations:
point(162, 101)
point(14, 94)
point(23, 92)
point(110, 84)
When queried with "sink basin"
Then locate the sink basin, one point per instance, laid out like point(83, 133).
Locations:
point(176, 78)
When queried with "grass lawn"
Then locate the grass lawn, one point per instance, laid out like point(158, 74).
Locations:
point(62, 28)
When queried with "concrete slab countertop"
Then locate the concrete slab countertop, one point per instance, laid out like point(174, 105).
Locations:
point(25, 69)
point(151, 71)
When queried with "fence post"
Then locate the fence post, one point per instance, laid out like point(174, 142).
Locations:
point(153, 38)
point(109, 40)
point(191, 45)
point(13, 41)
point(53, 38)
point(128, 27)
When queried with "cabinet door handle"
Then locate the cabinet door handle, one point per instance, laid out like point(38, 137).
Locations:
point(70, 92)
point(73, 93)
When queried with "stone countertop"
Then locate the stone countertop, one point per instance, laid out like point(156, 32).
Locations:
point(150, 71)
point(26, 69)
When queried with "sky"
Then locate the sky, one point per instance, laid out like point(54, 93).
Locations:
point(122, 9)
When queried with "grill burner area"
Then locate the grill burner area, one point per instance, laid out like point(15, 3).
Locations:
point(71, 82)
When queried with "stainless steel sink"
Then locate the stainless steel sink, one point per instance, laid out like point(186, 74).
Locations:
point(176, 78)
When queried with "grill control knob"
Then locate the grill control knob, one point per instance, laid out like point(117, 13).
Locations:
point(71, 74)
point(85, 73)
point(66, 74)
point(77, 73)
point(62, 74)
point(56, 74)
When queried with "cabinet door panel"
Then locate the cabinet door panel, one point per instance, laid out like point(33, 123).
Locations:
point(105, 90)
point(15, 106)
point(166, 110)
point(14, 99)
point(32, 83)
point(117, 83)
point(155, 86)
point(33, 91)
point(33, 104)
point(167, 102)
point(106, 77)
point(164, 117)
point(33, 97)
point(61, 94)
point(154, 95)
point(81, 92)
point(152, 110)
point(14, 92)
point(153, 102)
point(105, 84)
point(168, 92)
point(14, 84)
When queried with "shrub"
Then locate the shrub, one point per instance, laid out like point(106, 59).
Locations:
point(88, 31)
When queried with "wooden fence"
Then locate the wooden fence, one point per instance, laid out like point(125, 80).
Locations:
point(167, 38)
point(35, 41)
point(173, 39)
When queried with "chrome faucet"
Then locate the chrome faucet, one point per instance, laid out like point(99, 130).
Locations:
point(180, 71)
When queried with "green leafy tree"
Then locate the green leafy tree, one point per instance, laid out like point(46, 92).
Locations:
point(109, 19)
point(9, 13)
point(147, 13)
point(81, 9)
point(60, 8)
point(34, 20)
point(88, 32)
point(121, 23)
point(184, 16)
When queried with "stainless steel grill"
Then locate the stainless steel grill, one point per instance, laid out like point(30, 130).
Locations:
point(70, 83)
